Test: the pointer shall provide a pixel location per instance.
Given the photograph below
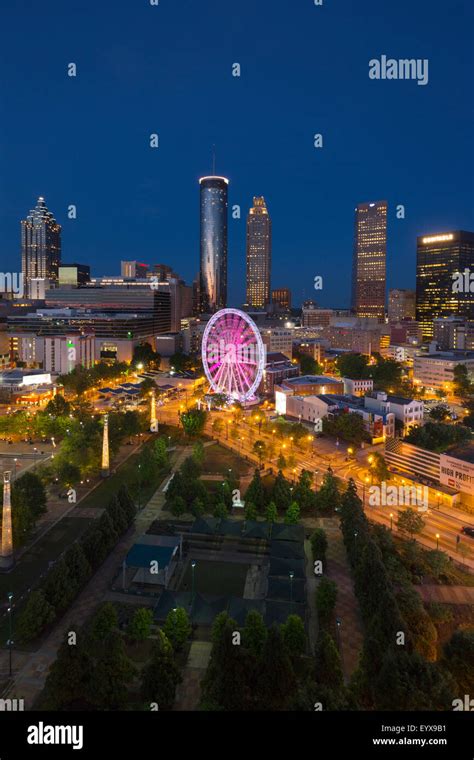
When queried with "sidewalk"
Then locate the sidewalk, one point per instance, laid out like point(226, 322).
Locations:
point(347, 607)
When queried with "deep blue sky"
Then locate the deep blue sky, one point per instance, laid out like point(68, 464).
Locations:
point(167, 69)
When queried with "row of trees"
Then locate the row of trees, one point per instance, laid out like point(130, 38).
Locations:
point(386, 373)
point(438, 436)
point(80, 379)
point(73, 569)
point(28, 500)
point(254, 668)
point(394, 673)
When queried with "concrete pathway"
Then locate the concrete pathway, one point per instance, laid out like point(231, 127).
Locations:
point(188, 693)
point(347, 608)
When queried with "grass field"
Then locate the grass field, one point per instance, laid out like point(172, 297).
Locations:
point(226, 578)
point(218, 461)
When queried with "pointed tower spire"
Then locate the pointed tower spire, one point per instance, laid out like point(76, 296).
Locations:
point(6, 555)
point(105, 448)
point(153, 417)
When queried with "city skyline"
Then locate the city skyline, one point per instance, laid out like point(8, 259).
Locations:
point(135, 202)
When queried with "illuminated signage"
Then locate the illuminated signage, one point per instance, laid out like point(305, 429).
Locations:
point(438, 238)
point(456, 474)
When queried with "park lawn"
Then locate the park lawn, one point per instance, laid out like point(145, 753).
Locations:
point(126, 474)
point(34, 564)
point(218, 460)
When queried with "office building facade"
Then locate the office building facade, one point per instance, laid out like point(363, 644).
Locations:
point(401, 304)
point(370, 260)
point(259, 252)
point(439, 259)
point(213, 243)
point(40, 245)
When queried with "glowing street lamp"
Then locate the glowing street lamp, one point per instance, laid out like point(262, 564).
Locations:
point(437, 540)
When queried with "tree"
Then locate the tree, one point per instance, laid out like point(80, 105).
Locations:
point(292, 514)
point(438, 436)
point(281, 493)
point(161, 676)
point(281, 462)
point(353, 366)
point(271, 512)
point(143, 354)
point(221, 511)
point(68, 473)
point(308, 365)
point(328, 669)
point(35, 616)
point(328, 498)
point(379, 468)
point(58, 406)
point(139, 627)
point(104, 622)
point(275, 678)
point(111, 674)
point(461, 381)
point(439, 413)
point(67, 678)
point(326, 596)
point(199, 453)
point(303, 494)
point(255, 492)
point(459, 659)
point(198, 508)
point(259, 448)
point(177, 627)
point(160, 452)
point(177, 506)
point(294, 636)
point(78, 566)
point(254, 634)
point(250, 510)
point(193, 421)
point(410, 522)
point(319, 545)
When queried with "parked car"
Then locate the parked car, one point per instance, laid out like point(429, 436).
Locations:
point(468, 531)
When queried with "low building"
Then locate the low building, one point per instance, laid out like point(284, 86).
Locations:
point(407, 411)
point(356, 387)
point(17, 382)
point(312, 385)
point(278, 339)
point(435, 371)
point(314, 409)
point(449, 475)
point(277, 369)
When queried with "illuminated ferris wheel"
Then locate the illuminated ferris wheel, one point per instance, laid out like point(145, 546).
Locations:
point(233, 354)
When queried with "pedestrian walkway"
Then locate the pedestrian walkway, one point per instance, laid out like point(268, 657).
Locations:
point(30, 678)
point(447, 594)
point(347, 608)
point(188, 693)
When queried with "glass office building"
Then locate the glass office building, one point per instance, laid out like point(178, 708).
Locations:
point(439, 258)
point(40, 244)
point(213, 271)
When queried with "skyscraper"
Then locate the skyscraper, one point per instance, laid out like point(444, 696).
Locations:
point(369, 260)
point(259, 253)
point(213, 272)
point(40, 245)
point(439, 257)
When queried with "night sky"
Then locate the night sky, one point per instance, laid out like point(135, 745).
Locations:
point(168, 69)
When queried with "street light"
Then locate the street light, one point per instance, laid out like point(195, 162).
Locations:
point(10, 630)
point(292, 575)
point(193, 565)
point(391, 520)
point(437, 540)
